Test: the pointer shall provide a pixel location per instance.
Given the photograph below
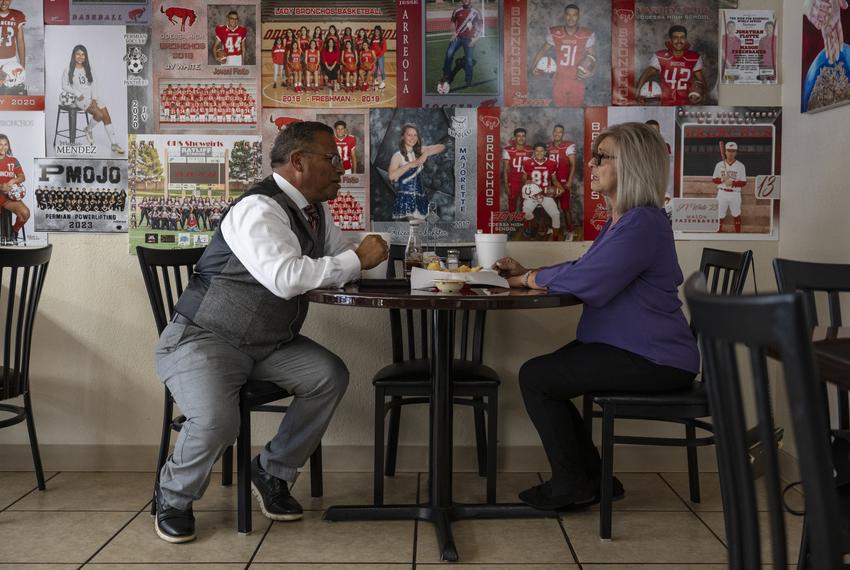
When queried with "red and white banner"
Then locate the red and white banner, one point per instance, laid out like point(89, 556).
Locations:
point(595, 208)
point(489, 150)
point(623, 56)
point(409, 52)
point(515, 50)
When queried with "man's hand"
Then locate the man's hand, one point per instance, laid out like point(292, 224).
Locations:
point(509, 267)
point(372, 251)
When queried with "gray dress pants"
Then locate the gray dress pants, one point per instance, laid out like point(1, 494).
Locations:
point(205, 373)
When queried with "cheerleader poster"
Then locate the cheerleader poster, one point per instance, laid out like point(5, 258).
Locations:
point(422, 167)
point(18, 151)
point(86, 77)
point(205, 66)
point(350, 209)
point(22, 56)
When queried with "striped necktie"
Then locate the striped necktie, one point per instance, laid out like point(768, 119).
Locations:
point(312, 213)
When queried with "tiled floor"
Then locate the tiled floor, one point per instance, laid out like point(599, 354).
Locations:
point(101, 520)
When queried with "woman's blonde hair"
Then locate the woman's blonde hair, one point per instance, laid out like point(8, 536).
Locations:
point(642, 165)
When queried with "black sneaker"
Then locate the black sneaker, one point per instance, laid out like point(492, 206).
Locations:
point(542, 497)
point(173, 525)
point(273, 495)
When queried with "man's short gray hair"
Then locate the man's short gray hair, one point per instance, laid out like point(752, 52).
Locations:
point(296, 136)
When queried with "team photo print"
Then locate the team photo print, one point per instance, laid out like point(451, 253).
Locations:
point(21, 55)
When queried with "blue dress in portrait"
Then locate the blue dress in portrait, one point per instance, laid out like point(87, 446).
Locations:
point(410, 200)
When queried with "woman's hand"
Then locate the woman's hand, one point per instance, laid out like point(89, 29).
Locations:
point(509, 267)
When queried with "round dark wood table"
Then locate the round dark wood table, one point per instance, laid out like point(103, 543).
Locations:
point(439, 509)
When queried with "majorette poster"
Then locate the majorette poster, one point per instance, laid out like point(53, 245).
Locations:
point(206, 67)
point(341, 55)
point(664, 53)
point(826, 57)
point(556, 55)
point(350, 209)
point(748, 46)
point(22, 57)
point(423, 166)
point(727, 173)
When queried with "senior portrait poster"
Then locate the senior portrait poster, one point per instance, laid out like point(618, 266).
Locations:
point(22, 56)
point(825, 55)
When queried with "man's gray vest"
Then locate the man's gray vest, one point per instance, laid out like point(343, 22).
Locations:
point(225, 299)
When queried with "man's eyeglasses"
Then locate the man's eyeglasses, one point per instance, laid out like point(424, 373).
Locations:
point(598, 157)
point(332, 157)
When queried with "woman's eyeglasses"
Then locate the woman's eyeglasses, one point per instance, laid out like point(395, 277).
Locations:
point(598, 157)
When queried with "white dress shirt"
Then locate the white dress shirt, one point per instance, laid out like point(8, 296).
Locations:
point(258, 232)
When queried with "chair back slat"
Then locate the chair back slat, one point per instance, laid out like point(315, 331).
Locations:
point(731, 266)
point(22, 273)
point(166, 272)
point(776, 324)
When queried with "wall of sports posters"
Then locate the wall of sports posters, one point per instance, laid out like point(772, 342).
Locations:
point(498, 102)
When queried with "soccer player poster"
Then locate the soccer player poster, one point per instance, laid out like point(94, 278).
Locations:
point(139, 63)
point(556, 53)
point(422, 167)
point(596, 120)
point(335, 55)
point(205, 66)
point(825, 55)
point(462, 53)
point(179, 186)
point(21, 55)
point(748, 46)
point(86, 98)
point(727, 173)
point(20, 145)
point(350, 209)
point(664, 54)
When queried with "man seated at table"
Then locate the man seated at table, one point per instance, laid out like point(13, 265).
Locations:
point(239, 318)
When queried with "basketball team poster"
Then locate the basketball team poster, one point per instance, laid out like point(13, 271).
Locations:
point(205, 66)
point(335, 55)
point(180, 185)
point(557, 53)
point(22, 57)
point(423, 167)
point(19, 148)
point(666, 54)
point(727, 173)
point(825, 56)
point(350, 209)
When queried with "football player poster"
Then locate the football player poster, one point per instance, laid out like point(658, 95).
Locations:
point(335, 55)
point(179, 186)
point(727, 167)
point(665, 54)
point(350, 210)
point(205, 66)
point(556, 53)
point(462, 52)
point(87, 195)
point(21, 55)
point(825, 55)
point(748, 46)
point(86, 97)
point(539, 175)
point(423, 167)
point(20, 145)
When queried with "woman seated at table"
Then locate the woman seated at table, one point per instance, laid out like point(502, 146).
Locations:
point(632, 334)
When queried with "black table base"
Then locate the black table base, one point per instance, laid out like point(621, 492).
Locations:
point(440, 517)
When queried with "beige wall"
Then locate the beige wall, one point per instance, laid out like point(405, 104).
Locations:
point(98, 402)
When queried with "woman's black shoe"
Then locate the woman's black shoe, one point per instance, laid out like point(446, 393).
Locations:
point(541, 497)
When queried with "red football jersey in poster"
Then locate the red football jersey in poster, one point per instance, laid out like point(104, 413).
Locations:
point(409, 53)
point(489, 166)
point(595, 209)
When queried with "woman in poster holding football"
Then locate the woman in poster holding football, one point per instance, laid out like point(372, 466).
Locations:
point(406, 172)
point(11, 178)
point(79, 81)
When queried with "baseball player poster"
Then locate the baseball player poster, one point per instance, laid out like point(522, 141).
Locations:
point(86, 97)
point(596, 120)
point(462, 52)
point(748, 43)
point(180, 185)
point(556, 53)
point(205, 66)
point(665, 53)
point(19, 148)
point(335, 55)
point(423, 167)
point(727, 166)
point(537, 172)
point(350, 209)
point(86, 195)
point(21, 55)
point(825, 55)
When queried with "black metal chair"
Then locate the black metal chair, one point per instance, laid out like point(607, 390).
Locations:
point(809, 278)
point(762, 325)
point(727, 272)
point(166, 272)
point(406, 381)
point(22, 273)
